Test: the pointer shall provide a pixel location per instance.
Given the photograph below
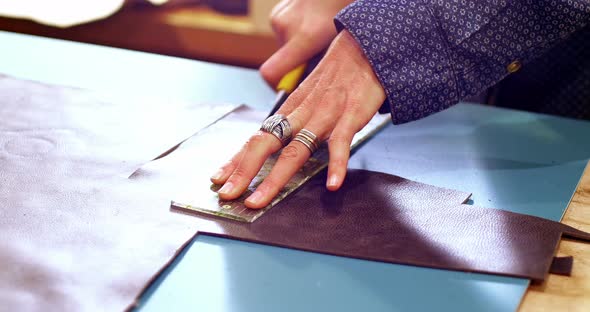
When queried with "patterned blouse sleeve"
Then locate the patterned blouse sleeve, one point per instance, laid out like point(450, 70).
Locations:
point(429, 54)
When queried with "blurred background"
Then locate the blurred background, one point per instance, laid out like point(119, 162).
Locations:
point(238, 32)
point(235, 32)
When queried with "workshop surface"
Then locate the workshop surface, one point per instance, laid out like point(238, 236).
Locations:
point(522, 162)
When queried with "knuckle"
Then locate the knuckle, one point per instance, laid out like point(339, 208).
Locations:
point(290, 152)
point(364, 76)
point(353, 105)
point(256, 139)
point(277, 23)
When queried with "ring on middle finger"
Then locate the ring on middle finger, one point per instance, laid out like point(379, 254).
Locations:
point(309, 139)
point(279, 126)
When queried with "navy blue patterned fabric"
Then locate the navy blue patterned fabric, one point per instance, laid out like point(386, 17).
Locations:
point(429, 54)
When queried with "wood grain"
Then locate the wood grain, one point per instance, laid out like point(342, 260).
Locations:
point(562, 293)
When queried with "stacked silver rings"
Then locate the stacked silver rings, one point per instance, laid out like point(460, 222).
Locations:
point(278, 126)
point(308, 139)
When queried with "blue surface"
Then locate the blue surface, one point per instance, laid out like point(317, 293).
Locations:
point(122, 71)
point(218, 274)
point(512, 160)
point(518, 161)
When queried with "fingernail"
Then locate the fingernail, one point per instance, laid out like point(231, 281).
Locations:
point(255, 197)
point(217, 175)
point(333, 180)
point(226, 188)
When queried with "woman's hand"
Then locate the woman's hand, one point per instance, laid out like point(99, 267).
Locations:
point(336, 101)
point(303, 28)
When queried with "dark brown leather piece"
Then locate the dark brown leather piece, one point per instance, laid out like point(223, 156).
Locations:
point(75, 233)
point(382, 217)
point(562, 265)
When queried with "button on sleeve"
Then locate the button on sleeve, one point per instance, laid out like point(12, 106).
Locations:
point(513, 67)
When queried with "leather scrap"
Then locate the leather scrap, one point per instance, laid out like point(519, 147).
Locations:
point(75, 233)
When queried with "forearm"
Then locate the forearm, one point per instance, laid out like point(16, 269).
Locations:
point(430, 54)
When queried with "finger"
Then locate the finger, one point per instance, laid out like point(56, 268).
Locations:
point(292, 157)
point(224, 172)
point(236, 178)
point(260, 146)
point(295, 154)
point(321, 124)
point(279, 20)
point(295, 52)
point(339, 150)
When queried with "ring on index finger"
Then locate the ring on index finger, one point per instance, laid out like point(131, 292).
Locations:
point(279, 126)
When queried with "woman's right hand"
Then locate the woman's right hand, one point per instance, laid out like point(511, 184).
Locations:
point(303, 28)
point(337, 100)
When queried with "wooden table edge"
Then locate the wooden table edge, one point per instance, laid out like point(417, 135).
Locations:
point(563, 293)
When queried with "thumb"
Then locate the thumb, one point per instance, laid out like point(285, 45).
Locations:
point(295, 52)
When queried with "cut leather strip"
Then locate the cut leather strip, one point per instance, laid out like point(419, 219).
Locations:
point(381, 217)
point(562, 265)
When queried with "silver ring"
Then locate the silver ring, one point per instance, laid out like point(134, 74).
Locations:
point(279, 126)
point(309, 139)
